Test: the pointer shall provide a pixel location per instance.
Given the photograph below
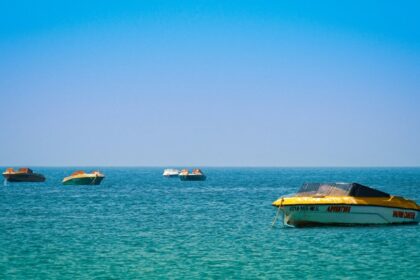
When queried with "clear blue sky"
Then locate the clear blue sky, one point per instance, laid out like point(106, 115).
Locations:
point(220, 83)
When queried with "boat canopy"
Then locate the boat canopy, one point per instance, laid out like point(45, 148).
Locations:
point(339, 189)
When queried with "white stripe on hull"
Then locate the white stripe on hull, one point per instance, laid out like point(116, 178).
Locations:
point(305, 215)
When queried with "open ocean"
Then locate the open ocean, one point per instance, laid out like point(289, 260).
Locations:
point(138, 224)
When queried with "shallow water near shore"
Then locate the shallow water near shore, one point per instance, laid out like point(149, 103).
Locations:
point(138, 224)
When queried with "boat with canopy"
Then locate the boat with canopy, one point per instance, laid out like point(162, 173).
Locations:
point(345, 204)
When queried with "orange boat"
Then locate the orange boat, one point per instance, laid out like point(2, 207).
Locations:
point(196, 175)
point(22, 175)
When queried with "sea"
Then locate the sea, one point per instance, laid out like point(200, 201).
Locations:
point(139, 225)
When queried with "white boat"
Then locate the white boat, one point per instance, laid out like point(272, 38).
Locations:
point(345, 204)
point(171, 172)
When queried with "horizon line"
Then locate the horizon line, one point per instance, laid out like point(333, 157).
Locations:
point(218, 166)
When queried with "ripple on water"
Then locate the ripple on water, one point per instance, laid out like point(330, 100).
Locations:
point(138, 224)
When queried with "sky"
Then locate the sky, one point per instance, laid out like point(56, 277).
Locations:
point(209, 83)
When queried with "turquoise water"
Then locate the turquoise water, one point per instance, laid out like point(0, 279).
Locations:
point(137, 224)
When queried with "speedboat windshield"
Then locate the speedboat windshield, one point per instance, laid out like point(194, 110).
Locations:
point(339, 189)
point(325, 189)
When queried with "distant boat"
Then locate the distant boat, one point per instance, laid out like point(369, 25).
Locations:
point(345, 204)
point(171, 172)
point(22, 175)
point(82, 178)
point(196, 175)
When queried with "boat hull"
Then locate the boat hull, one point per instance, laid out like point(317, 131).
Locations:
point(191, 177)
point(84, 181)
point(23, 177)
point(335, 214)
point(170, 175)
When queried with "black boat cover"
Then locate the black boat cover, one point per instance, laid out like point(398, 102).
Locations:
point(339, 189)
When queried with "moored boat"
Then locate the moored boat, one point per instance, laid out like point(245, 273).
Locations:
point(22, 175)
point(171, 172)
point(345, 204)
point(195, 175)
point(82, 178)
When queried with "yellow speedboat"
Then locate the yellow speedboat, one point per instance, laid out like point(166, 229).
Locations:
point(345, 204)
point(82, 178)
